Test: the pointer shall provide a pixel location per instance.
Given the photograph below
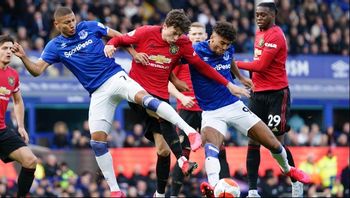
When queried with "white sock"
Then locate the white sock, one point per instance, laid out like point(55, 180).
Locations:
point(159, 194)
point(212, 167)
point(105, 162)
point(282, 160)
point(181, 161)
point(168, 113)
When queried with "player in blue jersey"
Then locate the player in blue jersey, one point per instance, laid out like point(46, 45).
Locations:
point(80, 48)
point(222, 109)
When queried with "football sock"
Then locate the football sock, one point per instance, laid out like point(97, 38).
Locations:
point(25, 180)
point(171, 138)
point(178, 176)
point(225, 170)
point(252, 163)
point(290, 160)
point(105, 163)
point(162, 171)
point(167, 112)
point(282, 160)
point(212, 164)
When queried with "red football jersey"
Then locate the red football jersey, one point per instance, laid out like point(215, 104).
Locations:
point(182, 72)
point(163, 57)
point(9, 84)
point(269, 65)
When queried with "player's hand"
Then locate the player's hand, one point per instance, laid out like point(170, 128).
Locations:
point(109, 51)
point(141, 58)
point(237, 91)
point(23, 133)
point(187, 101)
point(247, 82)
point(18, 50)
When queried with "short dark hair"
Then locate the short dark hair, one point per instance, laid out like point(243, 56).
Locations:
point(178, 19)
point(225, 30)
point(6, 38)
point(62, 11)
point(271, 6)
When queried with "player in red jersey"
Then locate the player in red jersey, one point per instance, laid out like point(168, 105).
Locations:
point(161, 48)
point(189, 110)
point(13, 143)
point(271, 97)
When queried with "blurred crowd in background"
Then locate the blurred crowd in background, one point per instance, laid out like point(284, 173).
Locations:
point(311, 27)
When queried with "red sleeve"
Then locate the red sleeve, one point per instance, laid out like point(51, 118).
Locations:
point(17, 83)
point(192, 58)
point(273, 44)
point(127, 39)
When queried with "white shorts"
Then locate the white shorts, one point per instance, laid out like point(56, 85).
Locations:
point(106, 98)
point(236, 115)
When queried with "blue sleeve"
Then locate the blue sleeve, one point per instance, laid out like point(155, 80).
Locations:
point(50, 54)
point(97, 27)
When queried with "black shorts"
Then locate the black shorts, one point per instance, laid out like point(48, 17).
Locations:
point(273, 107)
point(9, 142)
point(194, 119)
point(152, 124)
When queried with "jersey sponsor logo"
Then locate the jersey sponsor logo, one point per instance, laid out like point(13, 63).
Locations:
point(83, 34)
point(77, 48)
point(159, 59)
point(271, 45)
point(222, 66)
point(4, 91)
point(11, 81)
point(261, 42)
point(173, 49)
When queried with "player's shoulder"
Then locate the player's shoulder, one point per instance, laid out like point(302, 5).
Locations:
point(183, 39)
point(12, 71)
point(275, 31)
point(149, 28)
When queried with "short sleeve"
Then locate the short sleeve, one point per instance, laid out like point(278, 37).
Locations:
point(97, 27)
point(50, 53)
point(274, 42)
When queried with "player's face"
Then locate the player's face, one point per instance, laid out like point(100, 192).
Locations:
point(197, 34)
point(5, 52)
point(263, 17)
point(66, 25)
point(218, 44)
point(171, 34)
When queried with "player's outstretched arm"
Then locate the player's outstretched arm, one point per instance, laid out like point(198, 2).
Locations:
point(237, 91)
point(248, 83)
point(35, 69)
point(186, 101)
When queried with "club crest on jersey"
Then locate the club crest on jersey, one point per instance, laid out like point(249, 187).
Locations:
point(261, 42)
point(83, 34)
point(173, 49)
point(160, 59)
point(11, 81)
point(226, 56)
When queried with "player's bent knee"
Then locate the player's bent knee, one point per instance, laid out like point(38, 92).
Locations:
point(151, 103)
point(100, 148)
point(163, 151)
point(211, 150)
point(100, 126)
point(30, 162)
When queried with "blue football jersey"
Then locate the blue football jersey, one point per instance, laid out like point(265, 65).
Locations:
point(210, 94)
point(83, 55)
